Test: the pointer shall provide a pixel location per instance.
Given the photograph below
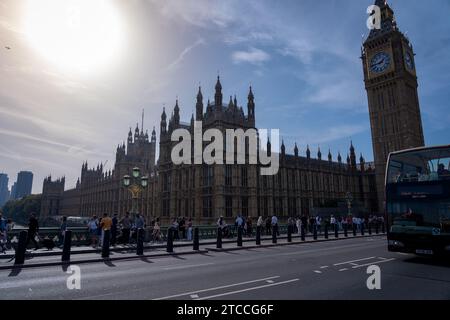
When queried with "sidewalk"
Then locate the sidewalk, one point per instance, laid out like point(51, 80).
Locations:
point(80, 255)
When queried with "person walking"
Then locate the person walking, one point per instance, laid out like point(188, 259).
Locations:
point(3, 233)
point(268, 226)
point(105, 225)
point(126, 228)
point(93, 232)
point(274, 224)
point(182, 227)
point(333, 223)
point(175, 229)
point(33, 229)
point(156, 231)
point(260, 224)
point(62, 231)
point(189, 230)
point(298, 224)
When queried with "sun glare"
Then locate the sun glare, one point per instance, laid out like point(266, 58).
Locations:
point(77, 35)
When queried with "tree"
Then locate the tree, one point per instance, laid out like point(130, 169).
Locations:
point(20, 210)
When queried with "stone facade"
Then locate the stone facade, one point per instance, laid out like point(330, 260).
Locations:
point(206, 192)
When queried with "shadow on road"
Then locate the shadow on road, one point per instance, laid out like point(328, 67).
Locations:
point(109, 263)
point(15, 272)
point(146, 260)
point(431, 261)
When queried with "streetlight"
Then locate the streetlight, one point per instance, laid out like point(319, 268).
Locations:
point(349, 198)
point(135, 185)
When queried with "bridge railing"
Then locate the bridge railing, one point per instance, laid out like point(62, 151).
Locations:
point(81, 236)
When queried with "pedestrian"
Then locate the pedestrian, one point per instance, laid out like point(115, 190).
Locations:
point(260, 224)
point(93, 232)
point(319, 224)
point(268, 226)
point(189, 230)
point(33, 229)
point(156, 231)
point(139, 222)
point(62, 230)
point(249, 227)
point(182, 227)
point(175, 226)
point(105, 225)
point(274, 224)
point(126, 228)
point(333, 222)
point(114, 226)
point(298, 223)
point(239, 222)
point(3, 233)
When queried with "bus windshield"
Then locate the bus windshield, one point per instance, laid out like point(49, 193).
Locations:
point(419, 166)
point(418, 191)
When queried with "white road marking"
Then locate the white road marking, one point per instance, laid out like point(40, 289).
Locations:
point(270, 281)
point(373, 263)
point(349, 262)
point(248, 289)
point(344, 269)
point(323, 267)
point(187, 266)
point(317, 271)
point(216, 288)
point(194, 296)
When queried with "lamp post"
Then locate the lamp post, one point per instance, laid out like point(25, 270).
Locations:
point(349, 198)
point(135, 184)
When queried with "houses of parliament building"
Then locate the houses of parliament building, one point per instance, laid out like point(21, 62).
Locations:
point(304, 185)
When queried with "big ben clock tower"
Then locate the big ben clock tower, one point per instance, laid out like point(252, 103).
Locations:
point(391, 83)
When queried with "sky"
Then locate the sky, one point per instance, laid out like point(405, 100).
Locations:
point(67, 97)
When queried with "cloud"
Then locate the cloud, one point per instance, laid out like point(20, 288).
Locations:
point(182, 55)
point(326, 135)
point(253, 56)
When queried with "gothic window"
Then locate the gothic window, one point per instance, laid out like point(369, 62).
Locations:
point(244, 176)
point(207, 176)
point(244, 202)
point(229, 206)
point(228, 175)
point(207, 206)
point(193, 178)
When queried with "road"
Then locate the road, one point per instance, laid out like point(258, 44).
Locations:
point(328, 270)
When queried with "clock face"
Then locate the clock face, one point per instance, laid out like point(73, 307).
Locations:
point(380, 62)
point(409, 61)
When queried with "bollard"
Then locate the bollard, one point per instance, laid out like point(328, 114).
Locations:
point(21, 248)
point(219, 238)
point(289, 234)
point(105, 244)
point(66, 246)
point(258, 236)
point(336, 231)
point(274, 234)
point(346, 230)
point(377, 228)
point(239, 237)
point(370, 229)
point(383, 228)
point(302, 233)
point(362, 229)
point(326, 231)
point(140, 242)
point(169, 248)
point(354, 230)
point(196, 246)
point(315, 232)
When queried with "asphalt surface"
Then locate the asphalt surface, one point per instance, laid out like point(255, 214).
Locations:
point(323, 270)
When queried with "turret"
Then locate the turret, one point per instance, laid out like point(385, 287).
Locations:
point(218, 96)
point(296, 150)
point(199, 105)
point(251, 105)
point(164, 121)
